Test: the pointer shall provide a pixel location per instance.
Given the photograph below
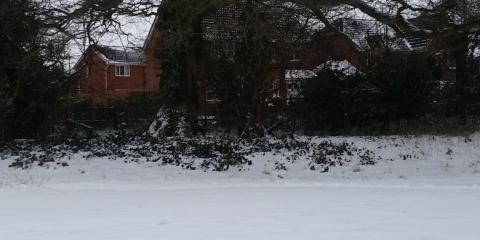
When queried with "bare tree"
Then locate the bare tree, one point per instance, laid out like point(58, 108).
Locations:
point(457, 23)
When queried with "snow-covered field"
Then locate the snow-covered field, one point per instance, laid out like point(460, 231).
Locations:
point(241, 212)
point(433, 195)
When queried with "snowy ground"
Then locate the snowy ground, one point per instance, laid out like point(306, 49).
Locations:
point(434, 195)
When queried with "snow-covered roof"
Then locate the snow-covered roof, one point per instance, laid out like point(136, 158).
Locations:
point(342, 66)
point(295, 74)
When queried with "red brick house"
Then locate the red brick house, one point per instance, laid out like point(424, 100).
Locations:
point(109, 74)
point(355, 42)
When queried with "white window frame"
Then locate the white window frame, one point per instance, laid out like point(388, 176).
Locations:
point(126, 70)
point(276, 88)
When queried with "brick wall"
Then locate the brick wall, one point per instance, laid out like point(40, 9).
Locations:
point(152, 62)
point(100, 86)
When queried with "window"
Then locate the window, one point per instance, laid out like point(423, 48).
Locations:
point(225, 50)
point(276, 88)
point(122, 71)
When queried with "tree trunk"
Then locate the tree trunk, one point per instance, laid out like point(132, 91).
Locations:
point(460, 51)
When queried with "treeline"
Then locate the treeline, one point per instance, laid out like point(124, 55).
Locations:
point(35, 36)
point(32, 77)
point(410, 96)
point(391, 90)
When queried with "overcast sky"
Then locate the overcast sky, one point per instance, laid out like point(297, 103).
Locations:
point(135, 32)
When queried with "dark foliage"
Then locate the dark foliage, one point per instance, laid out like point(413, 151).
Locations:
point(405, 85)
point(328, 154)
point(232, 93)
point(220, 153)
point(388, 92)
point(31, 79)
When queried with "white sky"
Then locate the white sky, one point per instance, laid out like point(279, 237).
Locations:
point(135, 32)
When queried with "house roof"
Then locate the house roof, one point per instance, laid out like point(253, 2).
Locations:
point(366, 33)
point(223, 24)
point(114, 55)
point(286, 20)
point(150, 32)
point(121, 54)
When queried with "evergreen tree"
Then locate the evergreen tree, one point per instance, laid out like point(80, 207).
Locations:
point(30, 74)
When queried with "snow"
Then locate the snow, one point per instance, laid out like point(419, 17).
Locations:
point(296, 74)
point(159, 123)
point(342, 66)
point(433, 195)
point(259, 212)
